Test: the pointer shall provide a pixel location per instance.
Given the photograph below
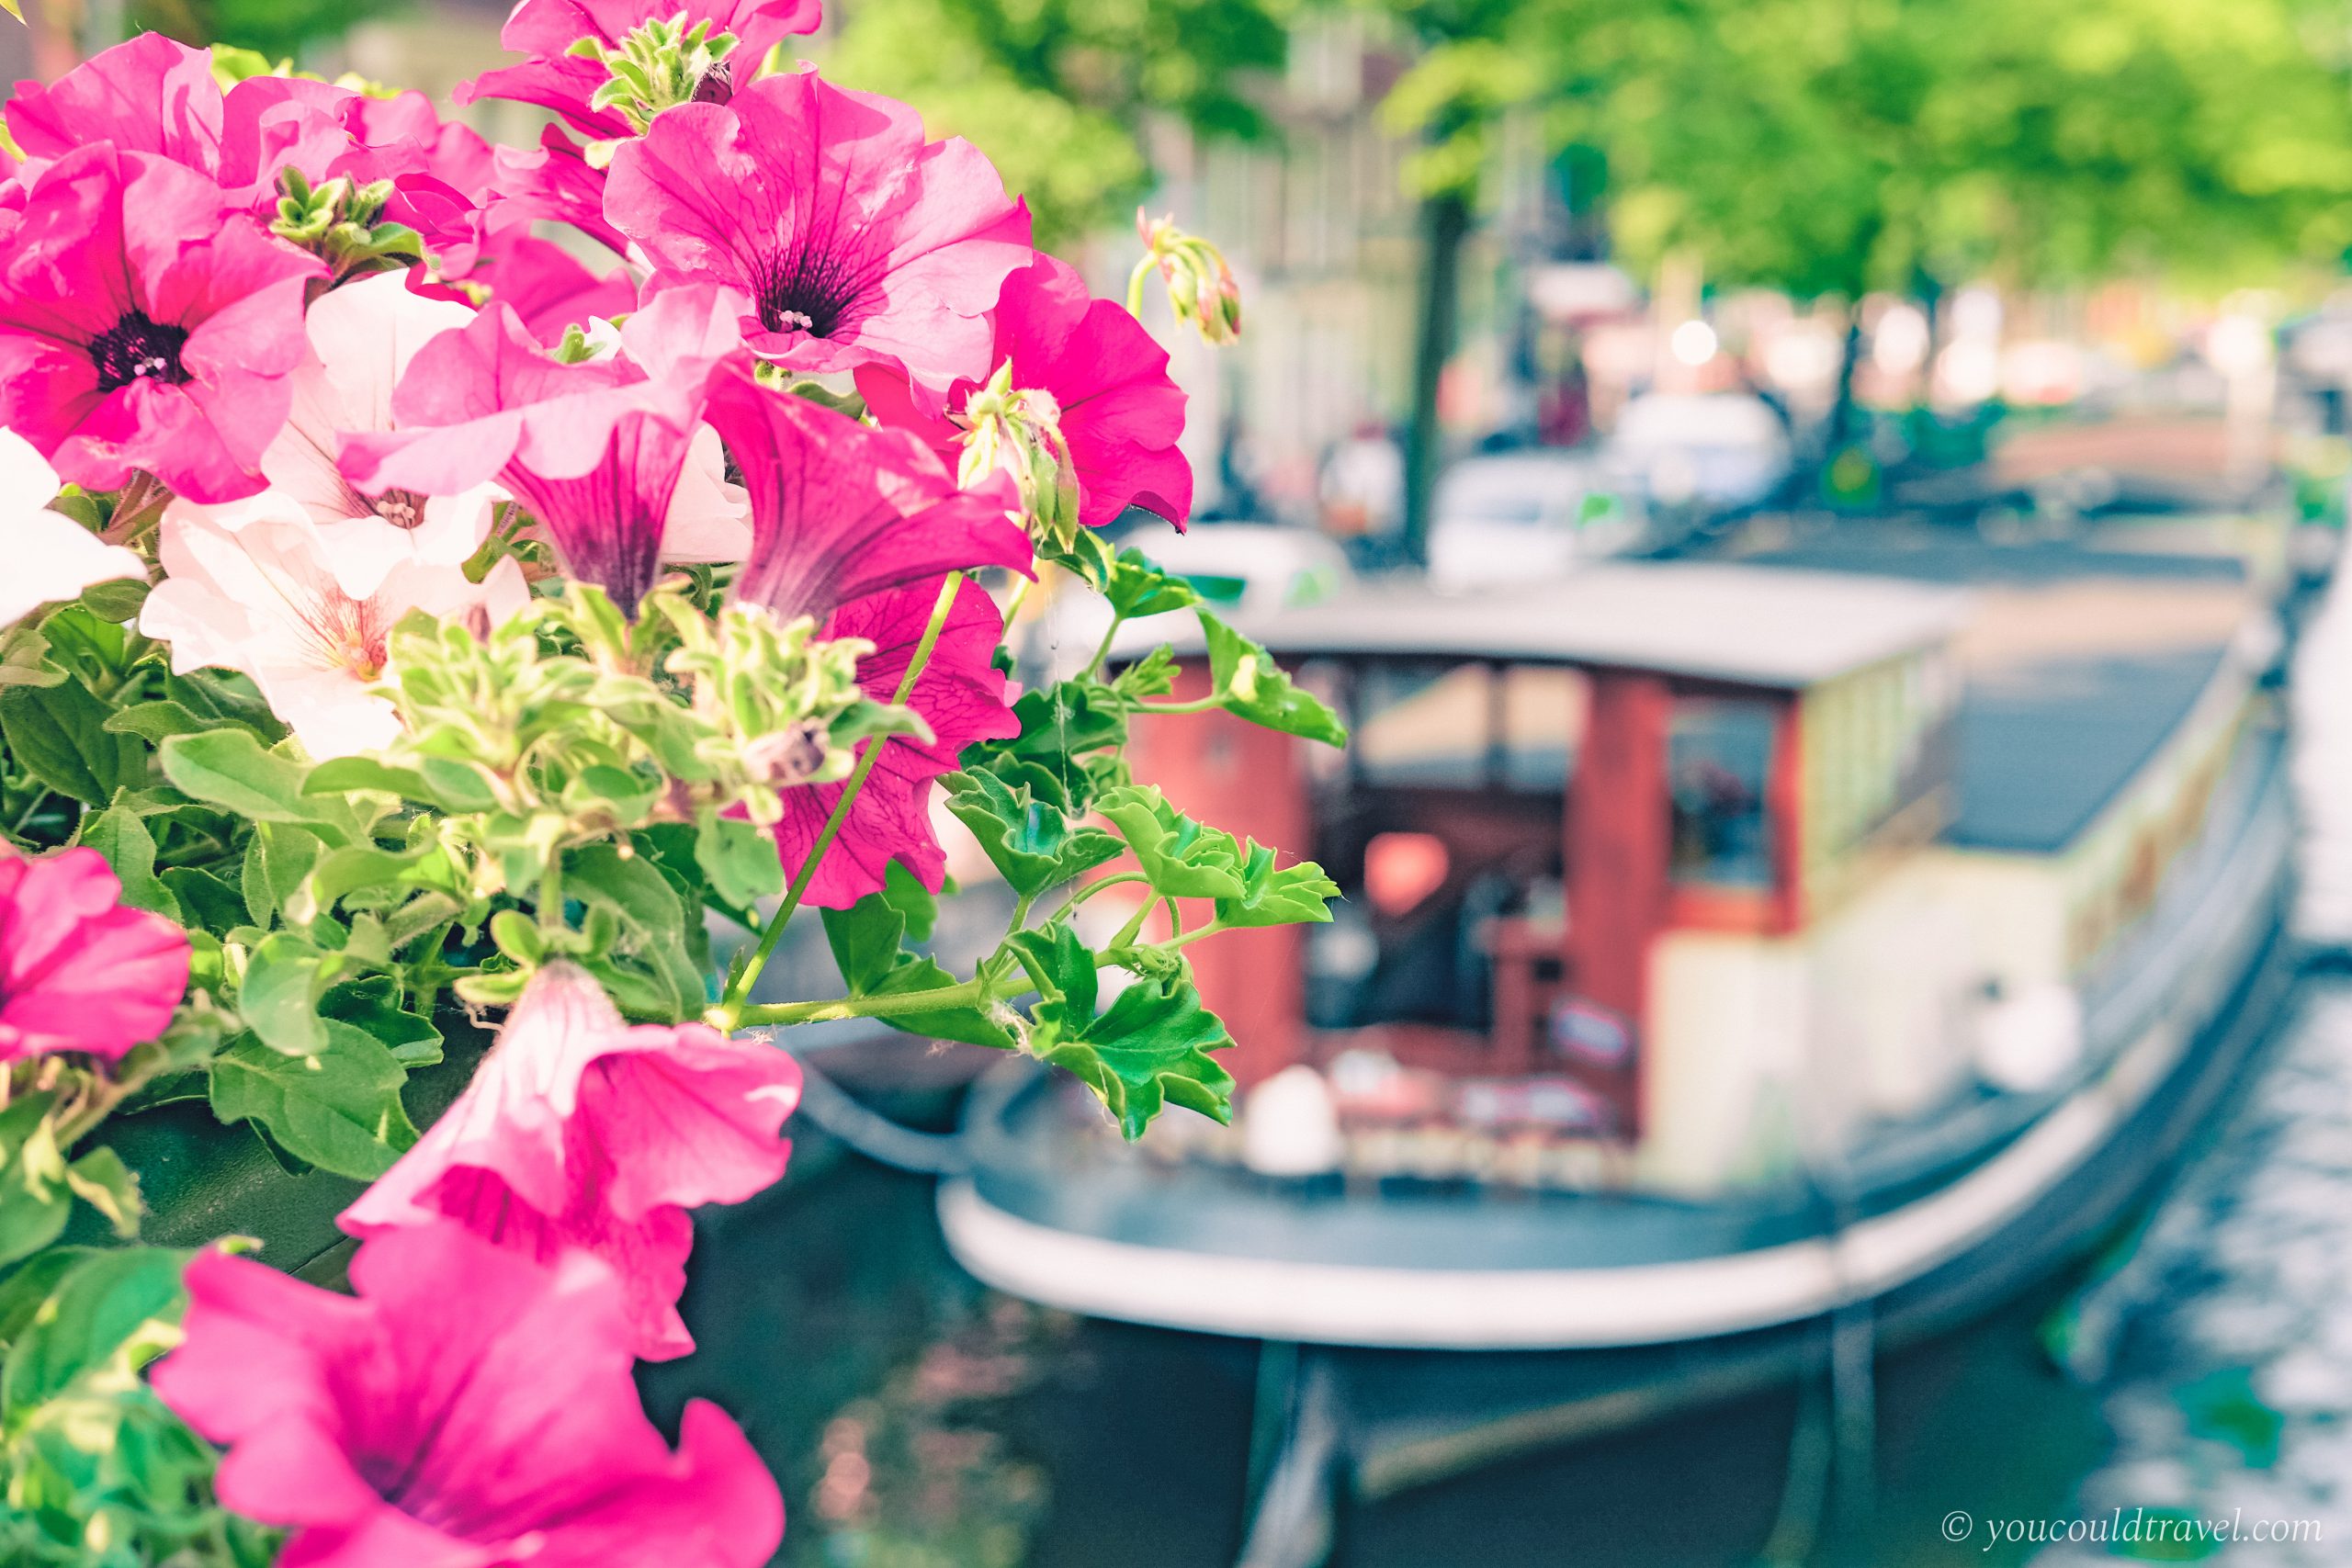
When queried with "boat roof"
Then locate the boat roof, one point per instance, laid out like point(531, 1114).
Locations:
point(1753, 625)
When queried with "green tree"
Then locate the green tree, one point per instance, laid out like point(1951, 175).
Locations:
point(1058, 91)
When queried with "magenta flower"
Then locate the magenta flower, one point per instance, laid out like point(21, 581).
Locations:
point(1121, 412)
point(552, 79)
point(593, 451)
point(960, 694)
point(856, 241)
point(840, 512)
point(156, 96)
point(470, 1408)
point(146, 323)
point(549, 287)
point(555, 183)
point(579, 1131)
point(79, 970)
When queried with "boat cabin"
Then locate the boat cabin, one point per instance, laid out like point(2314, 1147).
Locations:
point(1568, 825)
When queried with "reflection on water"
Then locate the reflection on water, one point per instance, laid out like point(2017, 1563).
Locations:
point(919, 1422)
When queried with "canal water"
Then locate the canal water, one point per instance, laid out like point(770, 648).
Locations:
point(2203, 1374)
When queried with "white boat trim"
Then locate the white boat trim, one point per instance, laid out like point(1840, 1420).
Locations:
point(1495, 1309)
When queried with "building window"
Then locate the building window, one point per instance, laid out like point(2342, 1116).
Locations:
point(1719, 760)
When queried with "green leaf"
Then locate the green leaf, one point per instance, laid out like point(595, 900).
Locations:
point(868, 940)
point(34, 1198)
point(1153, 675)
point(280, 999)
point(23, 658)
point(1253, 687)
point(103, 1317)
point(59, 734)
point(204, 899)
point(159, 720)
point(1029, 839)
point(1148, 1050)
point(338, 1108)
point(372, 1003)
point(227, 768)
point(279, 857)
point(1272, 896)
point(651, 969)
point(341, 775)
point(738, 860)
point(116, 599)
point(1137, 587)
point(1181, 858)
point(24, 1291)
point(100, 1179)
point(121, 835)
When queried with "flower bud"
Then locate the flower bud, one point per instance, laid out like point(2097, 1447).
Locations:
point(1019, 431)
point(341, 224)
point(662, 64)
point(1200, 286)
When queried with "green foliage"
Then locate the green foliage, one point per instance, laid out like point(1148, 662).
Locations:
point(1058, 91)
point(1148, 1048)
point(97, 1470)
point(1015, 809)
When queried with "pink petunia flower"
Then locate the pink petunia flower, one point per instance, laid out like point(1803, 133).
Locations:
point(594, 450)
point(854, 240)
point(960, 694)
point(146, 323)
point(363, 336)
point(152, 95)
point(79, 970)
point(553, 79)
point(51, 557)
point(470, 1408)
point(1120, 412)
point(262, 595)
point(840, 512)
point(579, 1131)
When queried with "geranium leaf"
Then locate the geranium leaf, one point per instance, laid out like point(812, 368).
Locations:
point(1251, 685)
point(1137, 587)
point(1181, 858)
point(1149, 1049)
point(1278, 896)
point(868, 940)
point(1024, 833)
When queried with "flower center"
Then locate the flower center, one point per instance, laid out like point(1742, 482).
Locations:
point(136, 347)
point(806, 293)
point(401, 508)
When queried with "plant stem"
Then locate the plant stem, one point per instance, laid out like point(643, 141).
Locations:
point(1092, 888)
point(1134, 285)
point(728, 1014)
point(551, 895)
point(964, 994)
point(1103, 650)
point(1133, 929)
point(1209, 704)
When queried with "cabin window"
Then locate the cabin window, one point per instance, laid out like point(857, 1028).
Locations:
point(1719, 762)
point(1468, 726)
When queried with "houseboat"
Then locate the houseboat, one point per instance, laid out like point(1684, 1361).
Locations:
point(1726, 947)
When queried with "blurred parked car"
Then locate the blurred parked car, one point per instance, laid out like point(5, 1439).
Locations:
point(1517, 516)
point(1713, 450)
